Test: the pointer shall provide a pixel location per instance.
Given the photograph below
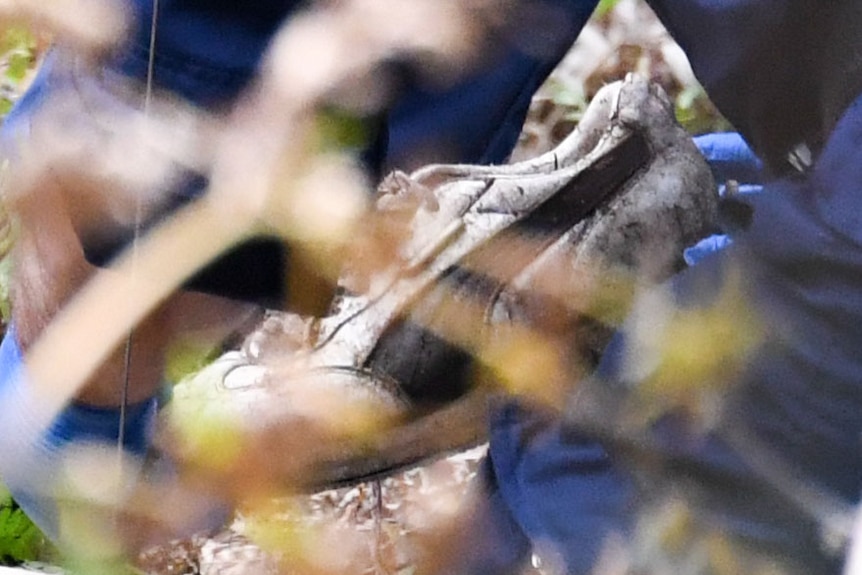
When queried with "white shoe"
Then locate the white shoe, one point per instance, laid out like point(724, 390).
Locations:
point(523, 249)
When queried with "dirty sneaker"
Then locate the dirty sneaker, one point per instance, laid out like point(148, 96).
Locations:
point(500, 276)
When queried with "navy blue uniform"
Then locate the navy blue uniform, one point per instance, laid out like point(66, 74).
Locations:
point(783, 72)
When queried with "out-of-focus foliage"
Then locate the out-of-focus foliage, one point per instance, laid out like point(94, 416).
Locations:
point(605, 6)
point(338, 130)
point(20, 540)
point(623, 36)
point(7, 238)
point(18, 55)
point(185, 357)
point(696, 112)
point(691, 357)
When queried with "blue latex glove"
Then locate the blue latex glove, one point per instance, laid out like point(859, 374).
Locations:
point(738, 173)
point(730, 158)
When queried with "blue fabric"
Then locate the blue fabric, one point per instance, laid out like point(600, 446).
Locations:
point(479, 119)
point(496, 542)
point(563, 489)
point(782, 71)
point(206, 51)
point(30, 462)
point(801, 394)
point(804, 251)
point(80, 422)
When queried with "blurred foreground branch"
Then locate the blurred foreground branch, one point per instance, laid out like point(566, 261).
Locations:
point(263, 177)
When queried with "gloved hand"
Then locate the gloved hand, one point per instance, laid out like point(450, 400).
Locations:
point(738, 172)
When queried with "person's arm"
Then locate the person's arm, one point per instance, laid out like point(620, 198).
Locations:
point(477, 120)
